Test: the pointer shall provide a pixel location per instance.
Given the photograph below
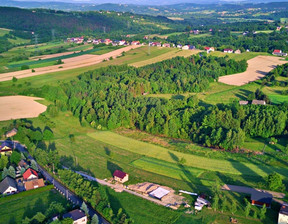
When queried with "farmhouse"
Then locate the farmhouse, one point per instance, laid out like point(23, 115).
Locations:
point(11, 133)
point(30, 174)
point(279, 53)
point(186, 47)
point(33, 184)
point(259, 198)
point(209, 49)
point(258, 102)
point(120, 176)
point(135, 43)
point(228, 50)
point(166, 45)
point(6, 148)
point(283, 214)
point(77, 215)
point(8, 186)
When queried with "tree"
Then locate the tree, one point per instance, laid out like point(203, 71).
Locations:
point(182, 161)
point(47, 134)
point(67, 221)
point(95, 219)
point(39, 217)
point(84, 208)
point(3, 162)
point(263, 212)
point(274, 182)
point(247, 208)
point(224, 203)
point(215, 203)
point(14, 79)
point(4, 173)
point(11, 172)
point(34, 165)
point(255, 214)
point(15, 157)
point(233, 207)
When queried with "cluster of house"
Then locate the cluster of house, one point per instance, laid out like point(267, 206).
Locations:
point(279, 53)
point(229, 51)
point(254, 102)
point(27, 181)
point(76, 40)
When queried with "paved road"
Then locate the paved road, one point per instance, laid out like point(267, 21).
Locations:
point(61, 188)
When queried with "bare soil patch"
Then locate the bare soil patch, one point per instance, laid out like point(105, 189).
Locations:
point(70, 63)
point(258, 67)
point(16, 107)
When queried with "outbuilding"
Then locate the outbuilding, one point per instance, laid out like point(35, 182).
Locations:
point(159, 193)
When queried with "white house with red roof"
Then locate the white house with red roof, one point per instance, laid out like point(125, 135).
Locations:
point(209, 49)
point(135, 43)
point(120, 176)
point(30, 174)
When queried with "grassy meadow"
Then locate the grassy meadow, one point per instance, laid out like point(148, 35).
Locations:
point(16, 207)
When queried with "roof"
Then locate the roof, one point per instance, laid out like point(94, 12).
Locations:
point(261, 197)
point(29, 185)
point(228, 49)
point(159, 193)
point(8, 144)
point(207, 48)
point(23, 163)
point(243, 102)
point(277, 51)
point(29, 172)
point(258, 102)
point(75, 214)
point(119, 173)
point(7, 182)
point(284, 209)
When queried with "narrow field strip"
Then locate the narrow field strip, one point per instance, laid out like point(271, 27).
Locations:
point(164, 154)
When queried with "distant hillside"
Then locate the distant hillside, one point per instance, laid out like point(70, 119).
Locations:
point(42, 21)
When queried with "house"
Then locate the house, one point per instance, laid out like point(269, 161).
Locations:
point(179, 46)
point(258, 102)
point(33, 184)
point(283, 214)
point(6, 148)
point(11, 133)
point(166, 45)
point(8, 186)
point(191, 47)
point(279, 53)
point(237, 51)
point(146, 37)
point(228, 50)
point(107, 41)
point(122, 42)
point(278, 28)
point(120, 176)
point(159, 193)
point(209, 49)
point(260, 198)
point(77, 215)
point(135, 43)
point(185, 47)
point(156, 44)
point(243, 102)
point(30, 174)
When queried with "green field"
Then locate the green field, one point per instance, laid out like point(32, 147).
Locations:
point(16, 207)
point(239, 57)
point(164, 154)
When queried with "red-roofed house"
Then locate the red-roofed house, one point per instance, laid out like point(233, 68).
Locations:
point(120, 176)
point(228, 50)
point(277, 52)
point(135, 43)
point(30, 174)
point(208, 49)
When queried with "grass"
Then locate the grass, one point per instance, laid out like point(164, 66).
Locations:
point(26, 204)
point(157, 152)
point(239, 57)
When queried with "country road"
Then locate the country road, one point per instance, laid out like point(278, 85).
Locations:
point(61, 188)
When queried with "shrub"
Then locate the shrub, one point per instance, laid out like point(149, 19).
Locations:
point(24, 67)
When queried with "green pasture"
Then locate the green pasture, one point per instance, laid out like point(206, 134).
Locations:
point(16, 207)
point(3, 32)
point(239, 57)
point(157, 152)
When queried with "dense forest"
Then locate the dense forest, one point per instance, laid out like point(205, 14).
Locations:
point(111, 97)
point(42, 22)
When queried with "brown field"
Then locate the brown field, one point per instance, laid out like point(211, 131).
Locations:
point(70, 63)
point(258, 67)
point(52, 55)
point(15, 107)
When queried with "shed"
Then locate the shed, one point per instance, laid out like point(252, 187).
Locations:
point(260, 198)
point(243, 102)
point(159, 193)
point(258, 102)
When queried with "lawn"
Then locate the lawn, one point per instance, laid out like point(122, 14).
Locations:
point(161, 153)
point(16, 207)
point(239, 57)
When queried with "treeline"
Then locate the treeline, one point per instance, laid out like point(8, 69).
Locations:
point(259, 42)
point(109, 98)
point(271, 78)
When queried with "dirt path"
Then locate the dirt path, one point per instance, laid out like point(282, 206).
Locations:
point(258, 67)
point(15, 107)
point(70, 63)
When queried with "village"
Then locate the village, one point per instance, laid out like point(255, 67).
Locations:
point(26, 176)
